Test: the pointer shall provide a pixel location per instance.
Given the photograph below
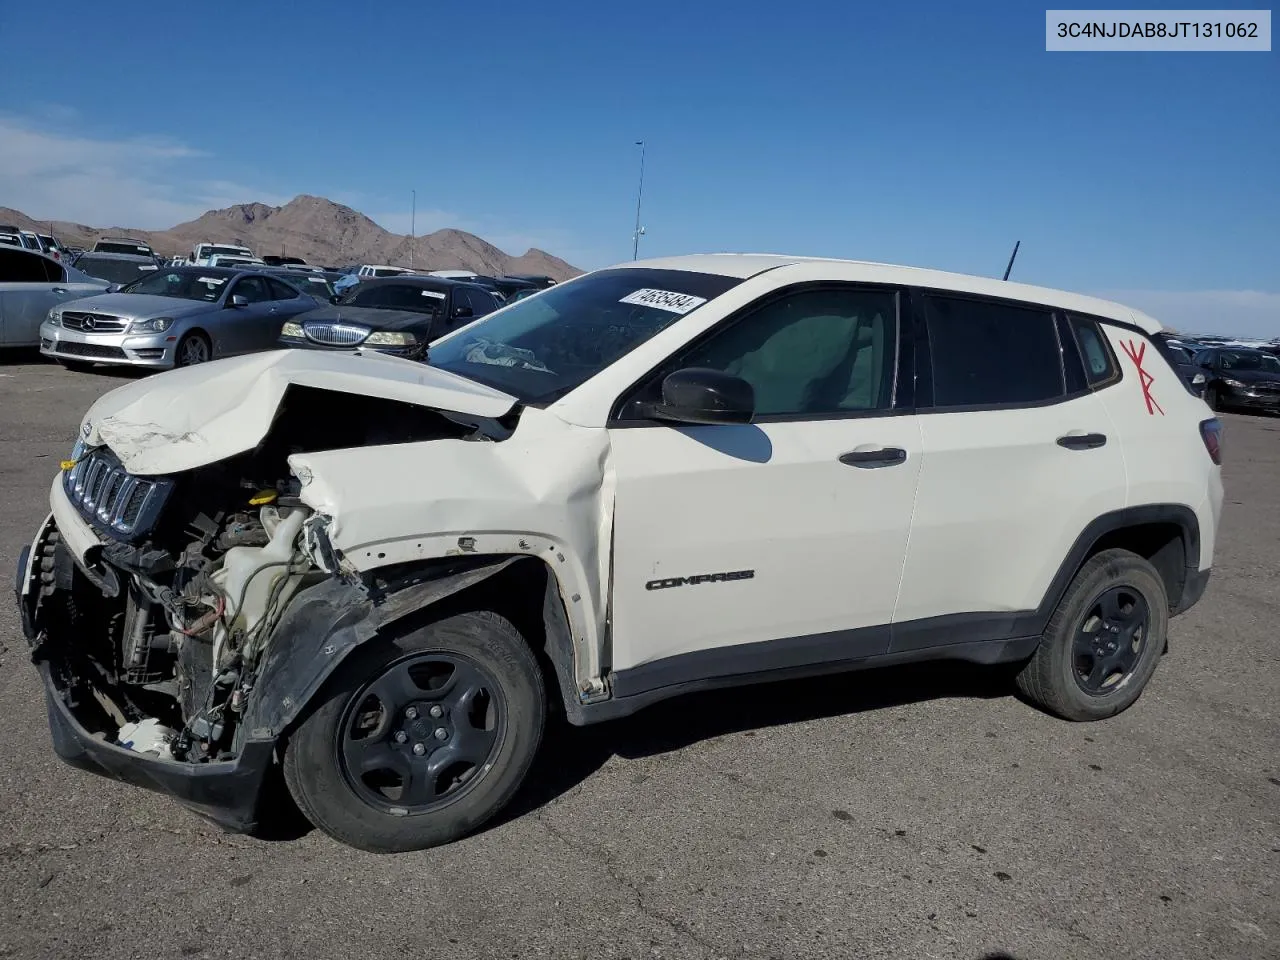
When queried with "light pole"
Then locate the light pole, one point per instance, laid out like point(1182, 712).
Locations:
point(635, 245)
point(413, 224)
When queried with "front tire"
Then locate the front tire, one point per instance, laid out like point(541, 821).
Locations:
point(192, 349)
point(1103, 642)
point(420, 739)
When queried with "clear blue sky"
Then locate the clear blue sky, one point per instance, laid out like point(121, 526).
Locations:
point(934, 134)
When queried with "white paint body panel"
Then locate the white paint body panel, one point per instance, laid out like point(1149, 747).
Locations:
point(825, 540)
point(1000, 505)
point(1164, 454)
point(191, 416)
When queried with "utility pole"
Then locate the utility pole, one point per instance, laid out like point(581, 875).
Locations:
point(413, 224)
point(635, 244)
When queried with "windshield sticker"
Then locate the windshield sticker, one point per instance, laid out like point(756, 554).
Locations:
point(143, 266)
point(216, 281)
point(667, 300)
point(433, 293)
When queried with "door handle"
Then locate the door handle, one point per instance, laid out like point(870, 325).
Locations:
point(881, 457)
point(1082, 441)
point(59, 289)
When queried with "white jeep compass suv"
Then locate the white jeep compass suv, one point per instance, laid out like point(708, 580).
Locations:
point(661, 477)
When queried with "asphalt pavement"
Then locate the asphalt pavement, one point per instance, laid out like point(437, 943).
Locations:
point(912, 813)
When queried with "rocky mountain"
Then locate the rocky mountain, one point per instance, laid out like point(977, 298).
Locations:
point(320, 231)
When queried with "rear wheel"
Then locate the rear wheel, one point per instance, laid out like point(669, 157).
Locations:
point(192, 349)
point(1103, 642)
point(420, 739)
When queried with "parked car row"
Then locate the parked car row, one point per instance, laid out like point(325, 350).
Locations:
point(12, 236)
point(180, 316)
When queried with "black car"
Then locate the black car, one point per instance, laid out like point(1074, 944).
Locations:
point(314, 283)
point(505, 287)
point(1240, 377)
point(539, 280)
point(274, 261)
point(1180, 355)
point(398, 315)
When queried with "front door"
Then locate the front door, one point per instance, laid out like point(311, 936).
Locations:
point(776, 543)
point(241, 329)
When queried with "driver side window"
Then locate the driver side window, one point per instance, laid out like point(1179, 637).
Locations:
point(253, 289)
point(813, 352)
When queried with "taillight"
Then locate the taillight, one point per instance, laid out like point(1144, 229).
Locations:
point(1211, 433)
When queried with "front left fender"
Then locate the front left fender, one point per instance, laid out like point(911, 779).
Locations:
point(327, 621)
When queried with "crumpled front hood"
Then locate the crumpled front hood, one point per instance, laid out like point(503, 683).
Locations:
point(192, 416)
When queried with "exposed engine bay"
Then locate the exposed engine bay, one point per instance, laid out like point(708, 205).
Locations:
point(158, 637)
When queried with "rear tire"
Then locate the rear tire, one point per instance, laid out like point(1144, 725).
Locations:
point(1103, 642)
point(372, 764)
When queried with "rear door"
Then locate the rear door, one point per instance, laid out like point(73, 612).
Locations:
point(1020, 456)
point(30, 285)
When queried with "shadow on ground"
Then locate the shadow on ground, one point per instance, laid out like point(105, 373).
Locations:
point(572, 754)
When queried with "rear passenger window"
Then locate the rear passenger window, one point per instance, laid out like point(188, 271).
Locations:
point(986, 353)
point(1099, 366)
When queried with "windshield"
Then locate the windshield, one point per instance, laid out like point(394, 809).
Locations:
point(315, 286)
point(183, 284)
point(113, 271)
point(540, 348)
point(1251, 361)
point(212, 251)
point(396, 296)
point(111, 246)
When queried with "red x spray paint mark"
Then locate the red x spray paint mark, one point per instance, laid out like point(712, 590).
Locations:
point(1136, 352)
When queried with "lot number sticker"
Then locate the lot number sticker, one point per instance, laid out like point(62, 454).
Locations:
point(667, 300)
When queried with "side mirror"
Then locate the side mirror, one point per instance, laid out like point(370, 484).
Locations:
point(463, 312)
point(696, 395)
point(113, 288)
point(239, 301)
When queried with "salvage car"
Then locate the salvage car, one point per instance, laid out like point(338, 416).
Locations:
point(173, 317)
point(1240, 378)
point(398, 315)
point(666, 476)
point(31, 284)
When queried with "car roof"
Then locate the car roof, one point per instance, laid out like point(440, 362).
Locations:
point(417, 280)
point(108, 255)
point(745, 265)
point(208, 271)
point(134, 240)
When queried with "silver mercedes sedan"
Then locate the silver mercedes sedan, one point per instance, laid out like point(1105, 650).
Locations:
point(174, 317)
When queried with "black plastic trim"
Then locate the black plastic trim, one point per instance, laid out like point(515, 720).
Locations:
point(631, 694)
point(225, 792)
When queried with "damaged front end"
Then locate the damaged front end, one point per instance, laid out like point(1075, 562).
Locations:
point(154, 602)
